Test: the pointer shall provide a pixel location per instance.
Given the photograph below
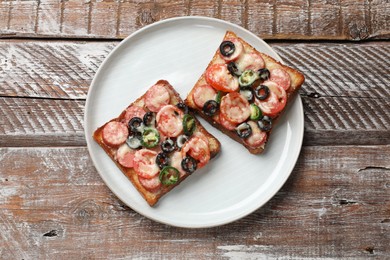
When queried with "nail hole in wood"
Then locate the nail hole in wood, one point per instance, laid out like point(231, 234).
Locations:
point(370, 249)
point(52, 233)
point(314, 95)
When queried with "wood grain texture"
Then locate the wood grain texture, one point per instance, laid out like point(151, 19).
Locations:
point(334, 205)
point(346, 90)
point(346, 96)
point(41, 122)
point(49, 69)
point(271, 19)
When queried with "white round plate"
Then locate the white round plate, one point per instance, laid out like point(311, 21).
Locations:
point(232, 185)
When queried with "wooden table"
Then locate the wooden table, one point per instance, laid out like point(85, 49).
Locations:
point(336, 203)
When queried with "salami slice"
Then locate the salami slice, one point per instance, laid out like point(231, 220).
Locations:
point(280, 77)
point(235, 108)
point(238, 49)
point(170, 121)
point(152, 184)
point(145, 163)
point(275, 102)
point(250, 61)
point(133, 111)
point(114, 133)
point(219, 77)
point(125, 156)
point(197, 149)
point(157, 97)
point(202, 94)
point(257, 138)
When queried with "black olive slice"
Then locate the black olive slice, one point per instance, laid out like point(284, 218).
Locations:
point(264, 74)
point(168, 146)
point(244, 130)
point(227, 48)
point(149, 119)
point(247, 93)
point(210, 107)
point(265, 123)
point(135, 124)
point(183, 107)
point(232, 68)
point(133, 141)
point(181, 139)
point(262, 92)
point(162, 160)
point(189, 164)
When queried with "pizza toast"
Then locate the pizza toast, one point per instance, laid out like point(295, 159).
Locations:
point(243, 91)
point(156, 142)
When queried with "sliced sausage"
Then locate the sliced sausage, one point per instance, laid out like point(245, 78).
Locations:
point(152, 185)
point(203, 93)
point(157, 97)
point(133, 111)
point(238, 49)
point(114, 133)
point(125, 156)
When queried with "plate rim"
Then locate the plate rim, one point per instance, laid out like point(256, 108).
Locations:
point(297, 100)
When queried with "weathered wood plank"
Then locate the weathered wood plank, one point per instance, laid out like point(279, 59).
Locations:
point(41, 122)
point(346, 96)
point(49, 69)
point(65, 69)
point(335, 204)
point(328, 121)
point(272, 19)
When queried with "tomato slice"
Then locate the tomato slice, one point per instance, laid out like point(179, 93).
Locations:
point(198, 149)
point(235, 108)
point(219, 118)
point(280, 77)
point(257, 138)
point(145, 163)
point(219, 77)
point(275, 102)
point(170, 121)
point(250, 61)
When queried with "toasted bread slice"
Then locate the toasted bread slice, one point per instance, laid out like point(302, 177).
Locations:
point(223, 75)
point(139, 164)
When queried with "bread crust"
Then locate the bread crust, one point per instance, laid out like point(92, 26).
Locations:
point(152, 197)
point(297, 79)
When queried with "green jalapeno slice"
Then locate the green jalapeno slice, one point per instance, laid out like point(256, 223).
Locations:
point(255, 112)
point(150, 137)
point(169, 175)
point(188, 124)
